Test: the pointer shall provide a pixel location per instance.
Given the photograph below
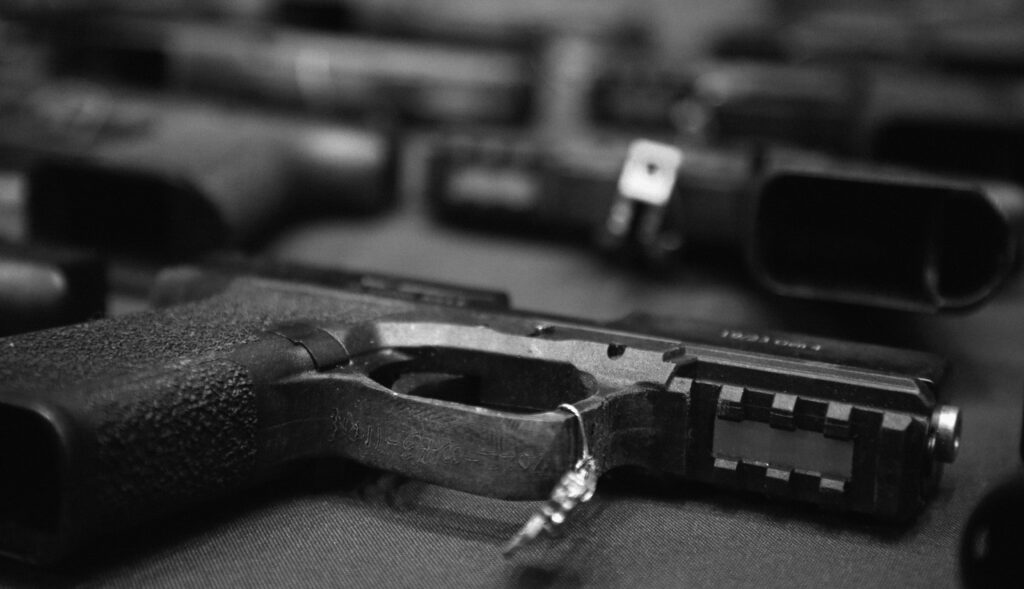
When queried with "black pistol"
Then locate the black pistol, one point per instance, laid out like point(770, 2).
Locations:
point(807, 225)
point(244, 370)
point(170, 178)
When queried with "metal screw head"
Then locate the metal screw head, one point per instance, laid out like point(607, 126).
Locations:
point(946, 429)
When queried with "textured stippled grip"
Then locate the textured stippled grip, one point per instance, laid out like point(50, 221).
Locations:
point(172, 437)
point(116, 446)
point(121, 420)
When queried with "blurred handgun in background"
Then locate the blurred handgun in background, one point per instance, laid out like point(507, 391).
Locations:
point(884, 237)
point(164, 177)
point(809, 226)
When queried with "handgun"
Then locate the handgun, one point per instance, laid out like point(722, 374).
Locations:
point(170, 178)
point(243, 370)
point(807, 225)
point(352, 74)
point(945, 123)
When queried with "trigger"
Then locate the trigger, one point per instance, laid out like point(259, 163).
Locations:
point(456, 388)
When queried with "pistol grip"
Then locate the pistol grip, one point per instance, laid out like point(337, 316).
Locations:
point(138, 449)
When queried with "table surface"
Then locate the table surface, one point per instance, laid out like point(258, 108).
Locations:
point(338, 525)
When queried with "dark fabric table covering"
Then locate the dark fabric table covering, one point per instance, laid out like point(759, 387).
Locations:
point(334, 525)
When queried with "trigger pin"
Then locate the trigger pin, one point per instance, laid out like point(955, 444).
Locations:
point(582, 429)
